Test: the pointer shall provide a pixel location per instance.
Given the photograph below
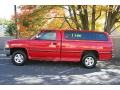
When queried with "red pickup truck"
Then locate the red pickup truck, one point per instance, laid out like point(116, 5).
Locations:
point(62, 45)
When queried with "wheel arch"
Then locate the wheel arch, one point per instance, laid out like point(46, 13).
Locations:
point(94, 52)
point(12, 50)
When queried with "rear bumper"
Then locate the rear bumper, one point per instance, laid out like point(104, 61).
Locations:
point(113, 55)
point(7, 51)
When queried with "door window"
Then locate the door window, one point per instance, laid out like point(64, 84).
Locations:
point(47, 35)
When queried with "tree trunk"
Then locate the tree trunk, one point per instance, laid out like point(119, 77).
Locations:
point(75, 17)
point(108, 19)
point(93, 18)
point(83, 14)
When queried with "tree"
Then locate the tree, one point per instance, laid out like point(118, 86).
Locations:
point(86, 16)
point(112, 17)
point(9, 25)
point(80, 15)
point(11, 29)
point(32, 18)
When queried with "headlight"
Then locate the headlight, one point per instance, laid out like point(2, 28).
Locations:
point(6, 45)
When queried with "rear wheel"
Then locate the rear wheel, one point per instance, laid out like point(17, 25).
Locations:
point(89, 61)
point(19, 58)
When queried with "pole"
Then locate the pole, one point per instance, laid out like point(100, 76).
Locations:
point(15, 12)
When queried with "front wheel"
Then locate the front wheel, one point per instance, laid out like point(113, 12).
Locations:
point(89, 61)
point(19, 58)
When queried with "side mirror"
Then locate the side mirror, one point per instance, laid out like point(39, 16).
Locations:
point(37, 36)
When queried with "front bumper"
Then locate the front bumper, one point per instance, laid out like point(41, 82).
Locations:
point(7, 51)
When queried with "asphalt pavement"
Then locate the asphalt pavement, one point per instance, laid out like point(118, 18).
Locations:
point(60, 73)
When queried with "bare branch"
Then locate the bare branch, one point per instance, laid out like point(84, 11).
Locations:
point(71, 14)
point(68, 22)
point(62, 24)
point(115, 28)
point(118, 21)
point(98, 16)
point(56, 17)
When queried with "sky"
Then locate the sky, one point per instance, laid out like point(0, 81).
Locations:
point(6, 9)
point(7, 6)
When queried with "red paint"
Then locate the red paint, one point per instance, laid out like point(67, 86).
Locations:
point(62, 49)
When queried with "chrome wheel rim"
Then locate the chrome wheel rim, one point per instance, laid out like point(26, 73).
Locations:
point(19, 58)
point(89, 61)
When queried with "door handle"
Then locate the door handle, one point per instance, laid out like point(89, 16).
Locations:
point(54, 43)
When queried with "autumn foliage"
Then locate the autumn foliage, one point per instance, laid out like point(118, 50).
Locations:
point(32, 18)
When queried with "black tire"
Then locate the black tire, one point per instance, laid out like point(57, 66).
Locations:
point(22, 59)
point(91, 57)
